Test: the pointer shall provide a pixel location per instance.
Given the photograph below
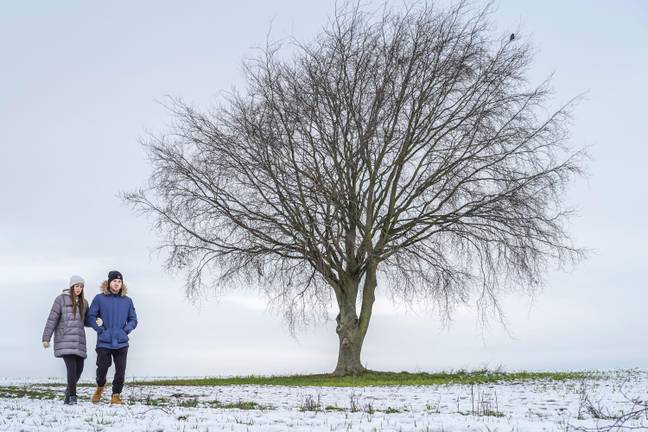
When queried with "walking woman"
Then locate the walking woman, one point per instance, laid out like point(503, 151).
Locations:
point(65, 322)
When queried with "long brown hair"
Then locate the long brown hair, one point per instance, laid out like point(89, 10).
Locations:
point(77, 301)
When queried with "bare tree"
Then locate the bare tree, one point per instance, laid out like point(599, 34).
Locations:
point(406, 144)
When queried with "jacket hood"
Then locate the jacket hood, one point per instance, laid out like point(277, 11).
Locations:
point(67, 291)
point(105, 289)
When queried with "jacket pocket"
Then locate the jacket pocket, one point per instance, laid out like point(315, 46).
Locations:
point(104, 336)
point(121, 336)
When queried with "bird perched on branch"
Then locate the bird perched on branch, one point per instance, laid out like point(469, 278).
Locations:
point(512, 37)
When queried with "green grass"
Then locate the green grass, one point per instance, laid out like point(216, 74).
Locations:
point(151, 401)
point(370, 378)
point(195, 403)
point(188, 403)
point(242, 405)
point(374, 378)
point(391, 410)
point(12, 392)
point(333, 408)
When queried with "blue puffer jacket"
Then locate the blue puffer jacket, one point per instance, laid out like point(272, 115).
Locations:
point(118, 315)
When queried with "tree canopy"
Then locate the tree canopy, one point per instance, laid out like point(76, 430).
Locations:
point(407, 143)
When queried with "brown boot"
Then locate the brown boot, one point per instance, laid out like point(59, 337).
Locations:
point(116, 399)
point(96, 397)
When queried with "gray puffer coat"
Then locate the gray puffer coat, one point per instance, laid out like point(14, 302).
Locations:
point(68, 330)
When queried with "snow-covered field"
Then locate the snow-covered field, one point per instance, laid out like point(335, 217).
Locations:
point(513, 406)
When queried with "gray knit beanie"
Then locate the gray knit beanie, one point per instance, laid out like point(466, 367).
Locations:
point(76, 280)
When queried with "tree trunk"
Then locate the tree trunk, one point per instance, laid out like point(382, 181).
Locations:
point(352, 330)
point(351, 340)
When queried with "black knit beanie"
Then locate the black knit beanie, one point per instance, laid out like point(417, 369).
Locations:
point(114, 274)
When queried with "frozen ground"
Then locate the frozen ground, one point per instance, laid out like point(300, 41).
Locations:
point(514, 406)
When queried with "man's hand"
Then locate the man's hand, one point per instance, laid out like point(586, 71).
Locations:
point(99, 322)
point(45, 344)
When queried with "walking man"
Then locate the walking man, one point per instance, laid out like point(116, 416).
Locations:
point(118, 314)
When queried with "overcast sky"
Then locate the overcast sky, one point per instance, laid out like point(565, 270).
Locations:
point(79, 86)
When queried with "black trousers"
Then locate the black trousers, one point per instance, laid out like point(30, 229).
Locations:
point(104, 361)
point(74, 366)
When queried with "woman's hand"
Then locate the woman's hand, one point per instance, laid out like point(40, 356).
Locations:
point(99, 322)
point(45, 344)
